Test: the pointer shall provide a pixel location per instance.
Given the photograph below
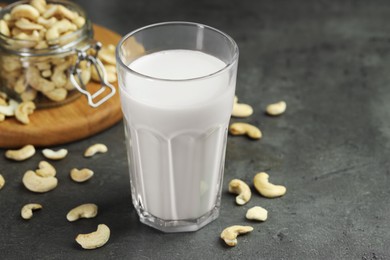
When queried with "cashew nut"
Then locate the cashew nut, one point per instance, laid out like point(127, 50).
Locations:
point(58, 28)
point(85, 75)
point(24, 11)
point(10, 109)
point(20, 85)
point(79, 21)
point(59, 77)
point(81, 175)
point(29, 95)
point(29, 39)
point(107, 54)
point(257, 213)
point(239, 187)
point(43, 65)
point(3, 95)
point(4, 29)
point(12, 76)
point(229, 234)
point(40, 5)
point(241, 110)
point(10, 63)
point(16, 31)
point(88, 210)
point(2, 181)
point(36, 183)
point(110, 71)
point(22, 154)
point(244, 128)
point(46, 73)
point(3, 102)
point(47, 23)
point(25, 24)
point(267, 189)
point(85, 72)
point(27, 210)
point(24, 109)
point(55, 155)
point(57, 94)
point(59, 10)
point(36, 81)
point(94, 149)
point(276, 108)
point(41, 45)
point(95, 239)
point(7, 17)
point(46, 169)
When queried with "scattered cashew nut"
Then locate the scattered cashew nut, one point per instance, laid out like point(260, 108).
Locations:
point(107, 54)
point(229, 234)
point(55, 155)
point(267, 189)
point(22, 154)
point(244, 128)
point(27, 210)
point(81, 175)
point(239, 187)
point(22, 112)
point(94, 149)
point(46, 169)
point(257, 213)
point(3, 102)
point(95, 239)
point(241, 110)
point(36, 183)
point(10, 109)
point(88, 210)
point(2, 181)
point(276, 108)
point(110, 72)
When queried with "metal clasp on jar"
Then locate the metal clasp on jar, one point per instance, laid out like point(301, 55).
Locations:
point(99, 97)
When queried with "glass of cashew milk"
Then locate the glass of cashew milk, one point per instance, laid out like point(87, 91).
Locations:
point(177, 82)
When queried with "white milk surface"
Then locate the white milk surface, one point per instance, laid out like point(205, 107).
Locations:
point(177, 131)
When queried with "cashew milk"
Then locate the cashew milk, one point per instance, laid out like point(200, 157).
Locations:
point(176, 122)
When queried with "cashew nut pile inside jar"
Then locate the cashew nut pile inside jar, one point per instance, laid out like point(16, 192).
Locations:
point(40, 45)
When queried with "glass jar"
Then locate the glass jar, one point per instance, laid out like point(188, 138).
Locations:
point(45, 69)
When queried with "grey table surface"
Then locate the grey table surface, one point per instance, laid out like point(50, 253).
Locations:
point(329, 60)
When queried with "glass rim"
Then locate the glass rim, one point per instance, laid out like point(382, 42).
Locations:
point(228, 65)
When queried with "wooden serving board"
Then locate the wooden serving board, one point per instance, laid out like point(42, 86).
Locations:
point(67, 123)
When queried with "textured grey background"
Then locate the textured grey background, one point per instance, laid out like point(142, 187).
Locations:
point(329, 60)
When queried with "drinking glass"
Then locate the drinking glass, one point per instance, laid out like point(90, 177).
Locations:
point(177, 83)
